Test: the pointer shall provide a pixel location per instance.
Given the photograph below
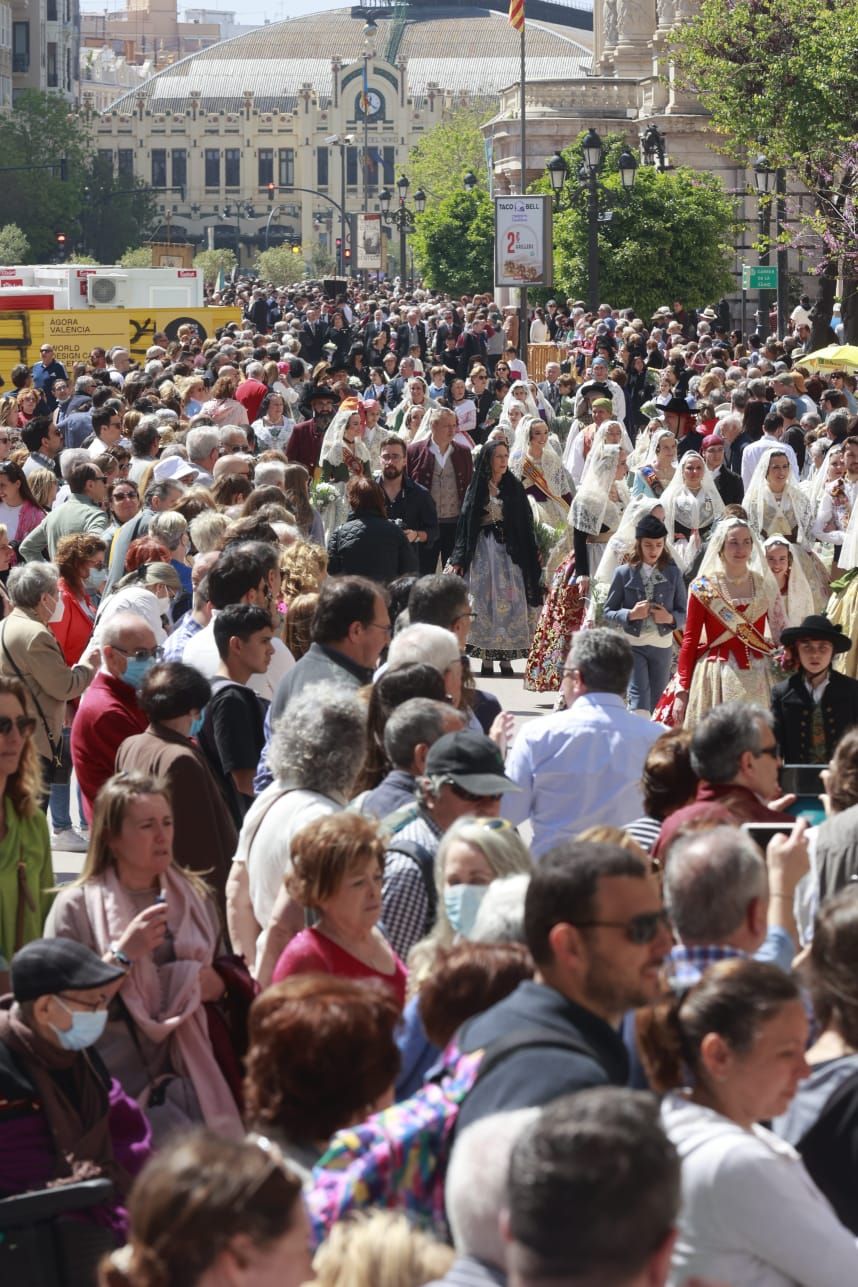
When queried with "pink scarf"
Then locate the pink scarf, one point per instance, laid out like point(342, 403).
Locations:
point(164, 1000)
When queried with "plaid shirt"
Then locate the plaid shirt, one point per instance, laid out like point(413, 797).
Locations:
point(182, 635)
point(689, 964)
point(404, 904)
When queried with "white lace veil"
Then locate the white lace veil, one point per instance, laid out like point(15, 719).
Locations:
point(591, 500)
point(798, 599)
point(332, 443)
point(599, 441)
point(528, 402)
point(676, 494)
point(754, 500)
point(816, 484)
point(711, 563)
point(849, 549)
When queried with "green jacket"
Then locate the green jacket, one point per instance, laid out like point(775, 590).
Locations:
point(76, 515)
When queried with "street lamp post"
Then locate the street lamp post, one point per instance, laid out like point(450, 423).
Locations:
point(370, 32)
point(342, 142)
point(402, 218)
point(558, 172)
point(765, 183)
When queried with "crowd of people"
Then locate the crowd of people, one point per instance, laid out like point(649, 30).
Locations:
point(359, 982)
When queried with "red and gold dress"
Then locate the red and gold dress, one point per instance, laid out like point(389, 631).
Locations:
point(727, 648)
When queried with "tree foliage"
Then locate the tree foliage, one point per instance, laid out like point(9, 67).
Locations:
point(210, 263)
point(454, 243)
point(670, 237)
point(14, 246)
point(35, 136)
point(137, 257)
point(780, 77)
point(442, 158)
point(280, 266)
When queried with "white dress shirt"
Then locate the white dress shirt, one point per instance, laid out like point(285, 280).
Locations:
point(578, 768)
point(201, 652)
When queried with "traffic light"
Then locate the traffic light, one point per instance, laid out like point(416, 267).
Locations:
point(296, 250)
point(347, 254)
point(61, 245)
point(270, 191)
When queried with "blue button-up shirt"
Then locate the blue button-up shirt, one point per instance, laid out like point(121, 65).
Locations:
point(578, 768)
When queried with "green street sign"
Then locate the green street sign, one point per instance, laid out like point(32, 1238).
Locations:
point(759, 277)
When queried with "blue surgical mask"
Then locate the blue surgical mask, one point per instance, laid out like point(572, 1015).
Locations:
point(87, 1027)
point(136, 671)
point(196, 724)
point(96, 580)
point(462, 902)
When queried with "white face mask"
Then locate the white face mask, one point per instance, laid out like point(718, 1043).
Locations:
point(57, 614)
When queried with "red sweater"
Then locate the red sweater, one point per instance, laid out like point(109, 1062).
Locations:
point(311, 952)
point(108, 713)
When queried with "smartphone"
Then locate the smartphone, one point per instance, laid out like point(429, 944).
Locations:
point(762, 832)
point(161, 897)
point(802, 779)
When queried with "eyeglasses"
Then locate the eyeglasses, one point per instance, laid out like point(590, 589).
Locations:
point(25, 726)
point(460, 616)
point(141, 654)
point(469, 795)
point(388, 629)
point(774, 751)
point(119, 495)
point(639, 930)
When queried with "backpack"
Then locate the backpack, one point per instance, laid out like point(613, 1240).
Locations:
point(397, 1159)
point(424, 859)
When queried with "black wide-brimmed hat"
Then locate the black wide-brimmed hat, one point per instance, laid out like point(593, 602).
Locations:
point(817, 626)
point(650, 528)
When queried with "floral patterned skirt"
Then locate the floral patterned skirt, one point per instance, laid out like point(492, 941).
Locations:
point(715, 682)
point(504, 623)
point(562, 614)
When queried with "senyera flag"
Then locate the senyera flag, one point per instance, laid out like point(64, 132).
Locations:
point(516, 14)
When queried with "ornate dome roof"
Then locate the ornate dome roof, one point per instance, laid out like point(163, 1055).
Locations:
point(458, 48)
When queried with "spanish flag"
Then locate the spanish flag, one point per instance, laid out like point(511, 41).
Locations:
point(516, 14)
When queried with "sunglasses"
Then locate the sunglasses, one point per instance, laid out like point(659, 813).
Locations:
point(469, 795)
point(24, 724)
point(640, 930)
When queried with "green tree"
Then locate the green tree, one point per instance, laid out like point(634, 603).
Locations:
point(780, 77)
point(210, 263)
point(138, 257)
point(454, 243)
point(280, 266)
point(320, 261)
point(14, 246)
point(35, 136)
point(442, 158)
point(672, 234)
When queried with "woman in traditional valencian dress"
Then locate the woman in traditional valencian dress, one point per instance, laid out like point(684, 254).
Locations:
point(595, 516)
point(344, 454)
point(776, 506)
point(496, 552)
point(733, 625)
point(659, 467)
point(548, 486)
point(842, 607)
point(785, 567)
point(692, 505)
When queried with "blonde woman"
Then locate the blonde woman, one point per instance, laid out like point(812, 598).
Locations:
point(133, 905)
point(473, 853)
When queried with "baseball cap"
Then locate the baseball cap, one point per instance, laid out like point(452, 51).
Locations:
point(470, 760)
point(173, 469)
point(51, 965)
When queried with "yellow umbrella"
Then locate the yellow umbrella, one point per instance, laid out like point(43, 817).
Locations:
point(834, 357)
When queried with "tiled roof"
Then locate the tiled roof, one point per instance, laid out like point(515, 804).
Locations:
point(462, 49)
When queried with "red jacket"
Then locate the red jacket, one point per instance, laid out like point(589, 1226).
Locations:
point(721, 803)
point(108, 713)
point(251, 393)
point(305, 445)
point(421, 465)
point(74, 631)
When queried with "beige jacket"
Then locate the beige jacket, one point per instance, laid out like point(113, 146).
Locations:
point(38, 657)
